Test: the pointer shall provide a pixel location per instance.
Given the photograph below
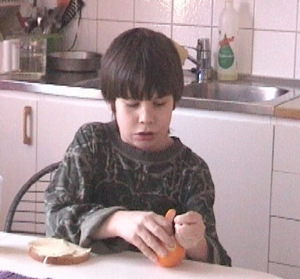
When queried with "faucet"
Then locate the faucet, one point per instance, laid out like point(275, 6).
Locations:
point(202, 60)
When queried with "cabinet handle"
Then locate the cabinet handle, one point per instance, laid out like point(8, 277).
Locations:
point(27, 114)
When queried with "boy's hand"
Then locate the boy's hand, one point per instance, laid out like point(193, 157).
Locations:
point(189, 229)
point(145, 230)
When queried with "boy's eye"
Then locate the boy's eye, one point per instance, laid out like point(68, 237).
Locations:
point(159, 103)
point(132, 103)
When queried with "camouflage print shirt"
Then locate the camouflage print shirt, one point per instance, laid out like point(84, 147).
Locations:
point(101, 174)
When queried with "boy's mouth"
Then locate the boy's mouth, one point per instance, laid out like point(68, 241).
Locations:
point(144, 135)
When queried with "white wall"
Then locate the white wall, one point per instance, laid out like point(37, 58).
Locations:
point(269, 29)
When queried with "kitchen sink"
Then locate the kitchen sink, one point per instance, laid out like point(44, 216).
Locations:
point(94, 83)
point(240, 96)
point(233, 92)
point(228, 92)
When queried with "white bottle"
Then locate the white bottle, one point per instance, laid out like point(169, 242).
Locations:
point(227, 48)
point(6, 57)
point(9, 55)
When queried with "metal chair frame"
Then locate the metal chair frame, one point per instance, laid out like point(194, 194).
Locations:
point(26, 214)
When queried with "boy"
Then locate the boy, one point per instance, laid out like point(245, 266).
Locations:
point(118, 179)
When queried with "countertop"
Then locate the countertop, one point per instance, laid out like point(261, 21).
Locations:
point(68, 84)
point(290, 109)
point(53, 83)
point(14, 257)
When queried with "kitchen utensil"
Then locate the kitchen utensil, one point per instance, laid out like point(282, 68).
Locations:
point(74, 61)
point(70, 12)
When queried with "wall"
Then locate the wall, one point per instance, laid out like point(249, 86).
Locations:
point(269, 29)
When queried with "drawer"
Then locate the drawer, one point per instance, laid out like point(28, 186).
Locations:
point(285, 195)
point(284, 271)
point(285, 242)
point(287, 148)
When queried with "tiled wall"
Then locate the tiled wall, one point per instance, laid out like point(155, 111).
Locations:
point(269, 37)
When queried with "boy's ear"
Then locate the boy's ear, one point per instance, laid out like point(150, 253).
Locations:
point(112, 106)
point(174, 104)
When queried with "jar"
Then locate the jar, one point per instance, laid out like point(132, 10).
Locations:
point(33, 56)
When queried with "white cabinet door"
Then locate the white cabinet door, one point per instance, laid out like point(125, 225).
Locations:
point(285, 225)
point(286, 146)
point(284, 271)
point(286, 196)
point(285, 242)
point(17, 159)
point(59, 119)
point(238, 150)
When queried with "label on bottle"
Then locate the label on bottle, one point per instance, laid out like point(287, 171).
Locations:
point(226, 54)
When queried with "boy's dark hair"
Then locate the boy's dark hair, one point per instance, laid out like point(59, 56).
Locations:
point(139, 63)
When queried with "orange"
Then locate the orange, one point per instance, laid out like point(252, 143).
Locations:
point(175, 254)
point(173, 258)
point(171, 213)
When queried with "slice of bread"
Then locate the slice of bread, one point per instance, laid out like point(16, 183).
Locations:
point(57, 251)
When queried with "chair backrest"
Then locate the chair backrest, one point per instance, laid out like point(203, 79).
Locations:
point(26, 214)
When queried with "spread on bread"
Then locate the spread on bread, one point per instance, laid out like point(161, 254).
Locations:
point(45, 248)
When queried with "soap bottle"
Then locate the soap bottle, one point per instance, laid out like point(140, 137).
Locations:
point(227, 47)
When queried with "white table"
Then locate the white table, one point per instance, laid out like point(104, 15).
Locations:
point(14, 257)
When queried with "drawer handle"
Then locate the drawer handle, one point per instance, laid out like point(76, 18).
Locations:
point(27, 114)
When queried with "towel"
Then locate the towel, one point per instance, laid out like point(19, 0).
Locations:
point(12, 275)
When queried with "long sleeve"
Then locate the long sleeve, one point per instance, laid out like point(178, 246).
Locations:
point(70, 211)
point(199, 195)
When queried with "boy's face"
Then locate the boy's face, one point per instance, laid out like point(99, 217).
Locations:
point(145, 124)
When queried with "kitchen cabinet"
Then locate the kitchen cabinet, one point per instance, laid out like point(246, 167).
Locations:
point(51, 126)
point(238, 150)
point(18, 118)
point(284, 258)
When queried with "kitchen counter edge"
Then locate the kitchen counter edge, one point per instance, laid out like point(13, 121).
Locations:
point(288, 107)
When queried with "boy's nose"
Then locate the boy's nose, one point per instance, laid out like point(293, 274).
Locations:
point(147, 116)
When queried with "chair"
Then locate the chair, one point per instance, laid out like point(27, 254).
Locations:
point(26, 214)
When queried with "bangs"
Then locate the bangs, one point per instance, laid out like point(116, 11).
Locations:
point(146, 80)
